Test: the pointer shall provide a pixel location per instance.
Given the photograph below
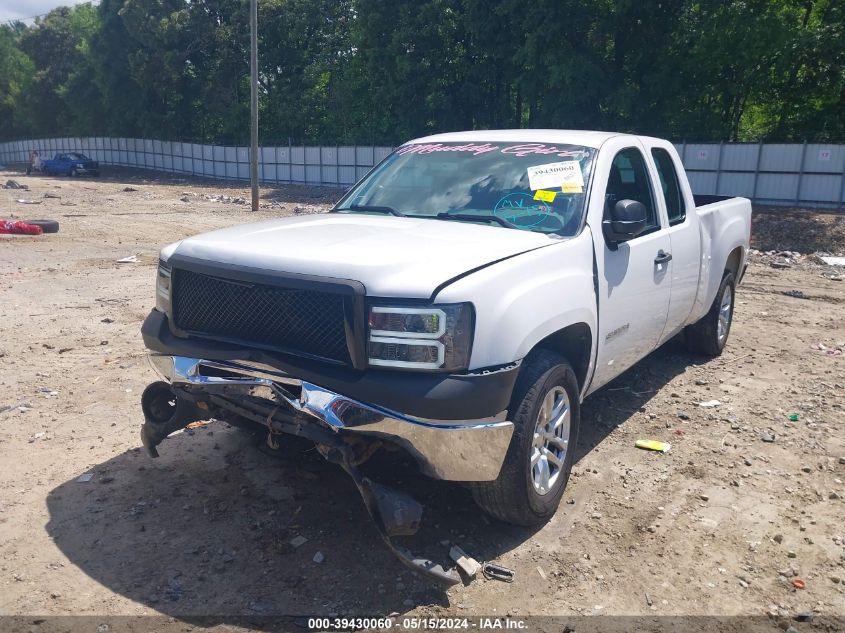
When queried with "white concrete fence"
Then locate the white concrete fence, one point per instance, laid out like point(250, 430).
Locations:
point(809, 175)
point(333, 166)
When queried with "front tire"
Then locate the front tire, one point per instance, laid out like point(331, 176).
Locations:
point(546, 414)
point(709, 335)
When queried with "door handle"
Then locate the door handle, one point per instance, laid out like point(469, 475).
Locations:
point(663, 257)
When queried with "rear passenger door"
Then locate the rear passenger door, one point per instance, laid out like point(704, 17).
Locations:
point(633, 284)
point(684, 236)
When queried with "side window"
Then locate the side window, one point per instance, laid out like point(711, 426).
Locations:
point(629, 181)
point(675, 204)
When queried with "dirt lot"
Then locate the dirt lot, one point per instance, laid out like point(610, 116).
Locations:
point(746, 502)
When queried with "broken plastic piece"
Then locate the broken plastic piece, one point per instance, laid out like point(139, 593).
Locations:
point(466, 564)
point(793, 417)
point(297, 541)
point(401, 514)
point(492, 571)
point(654, 445)
point(394, 514)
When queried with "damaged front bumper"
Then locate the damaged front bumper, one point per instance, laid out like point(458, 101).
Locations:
point(470, 450)
point(463, 451)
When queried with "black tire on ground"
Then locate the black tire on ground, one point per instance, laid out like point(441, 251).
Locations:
point(48, 226)
point(703, 336)
point(512, 497)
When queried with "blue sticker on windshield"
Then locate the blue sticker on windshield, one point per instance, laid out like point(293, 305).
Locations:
point(515, 207)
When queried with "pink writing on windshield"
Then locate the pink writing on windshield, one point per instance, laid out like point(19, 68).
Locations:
point(526, 149)
point(428, 148)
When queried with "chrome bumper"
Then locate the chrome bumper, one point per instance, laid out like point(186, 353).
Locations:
point(467, 450)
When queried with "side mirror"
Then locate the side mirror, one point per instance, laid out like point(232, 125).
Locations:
point(627, 220)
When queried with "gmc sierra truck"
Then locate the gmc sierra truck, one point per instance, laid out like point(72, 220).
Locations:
point(459, 302)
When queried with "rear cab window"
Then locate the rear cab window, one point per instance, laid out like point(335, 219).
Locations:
point(671, 186)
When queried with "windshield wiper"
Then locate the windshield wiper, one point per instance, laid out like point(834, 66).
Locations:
point(471, 217)
point(374, 209)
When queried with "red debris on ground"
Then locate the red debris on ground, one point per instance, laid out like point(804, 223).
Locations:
point(18, 227)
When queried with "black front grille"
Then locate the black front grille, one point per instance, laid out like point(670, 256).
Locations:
point(299, 321)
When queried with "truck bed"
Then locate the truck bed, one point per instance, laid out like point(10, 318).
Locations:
point(702, 200)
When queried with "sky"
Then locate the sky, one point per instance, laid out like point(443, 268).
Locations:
point(18, 9)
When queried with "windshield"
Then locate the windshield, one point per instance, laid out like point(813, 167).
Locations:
point(528, 186)
point(77, 156)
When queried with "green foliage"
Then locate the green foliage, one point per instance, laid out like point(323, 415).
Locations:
point(16, 71)
point(382, 71)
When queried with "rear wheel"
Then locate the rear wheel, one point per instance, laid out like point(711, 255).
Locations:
point(709, 335)
point(545, 412)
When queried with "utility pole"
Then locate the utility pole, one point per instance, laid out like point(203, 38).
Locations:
point(253, 101)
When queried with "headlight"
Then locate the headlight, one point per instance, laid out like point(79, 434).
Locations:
point(80, 166)
point(163, 288)
point(432, 338)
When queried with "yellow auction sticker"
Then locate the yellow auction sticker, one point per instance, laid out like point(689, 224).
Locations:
point(545, 196)
point(571, 187)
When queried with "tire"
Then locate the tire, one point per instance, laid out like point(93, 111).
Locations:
point(514, 497)
point(73, 173)
point(709, 335)
point(48, 226)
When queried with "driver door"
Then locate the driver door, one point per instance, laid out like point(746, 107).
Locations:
point(633, 277)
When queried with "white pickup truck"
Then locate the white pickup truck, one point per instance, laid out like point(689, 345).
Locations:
point(459, 302)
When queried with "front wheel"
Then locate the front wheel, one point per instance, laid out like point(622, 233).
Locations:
point(546, 413)
point(709, 335)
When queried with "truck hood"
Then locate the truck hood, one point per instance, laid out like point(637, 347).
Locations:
point(391, 256)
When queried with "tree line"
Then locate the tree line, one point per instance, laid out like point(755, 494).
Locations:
point(383, 71)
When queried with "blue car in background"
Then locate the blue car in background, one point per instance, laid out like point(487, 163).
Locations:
point(70, 164)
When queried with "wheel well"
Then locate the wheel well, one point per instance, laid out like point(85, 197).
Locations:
point(575, 342)
point(734, 259)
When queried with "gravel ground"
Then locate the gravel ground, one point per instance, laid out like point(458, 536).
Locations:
point(749, 500)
